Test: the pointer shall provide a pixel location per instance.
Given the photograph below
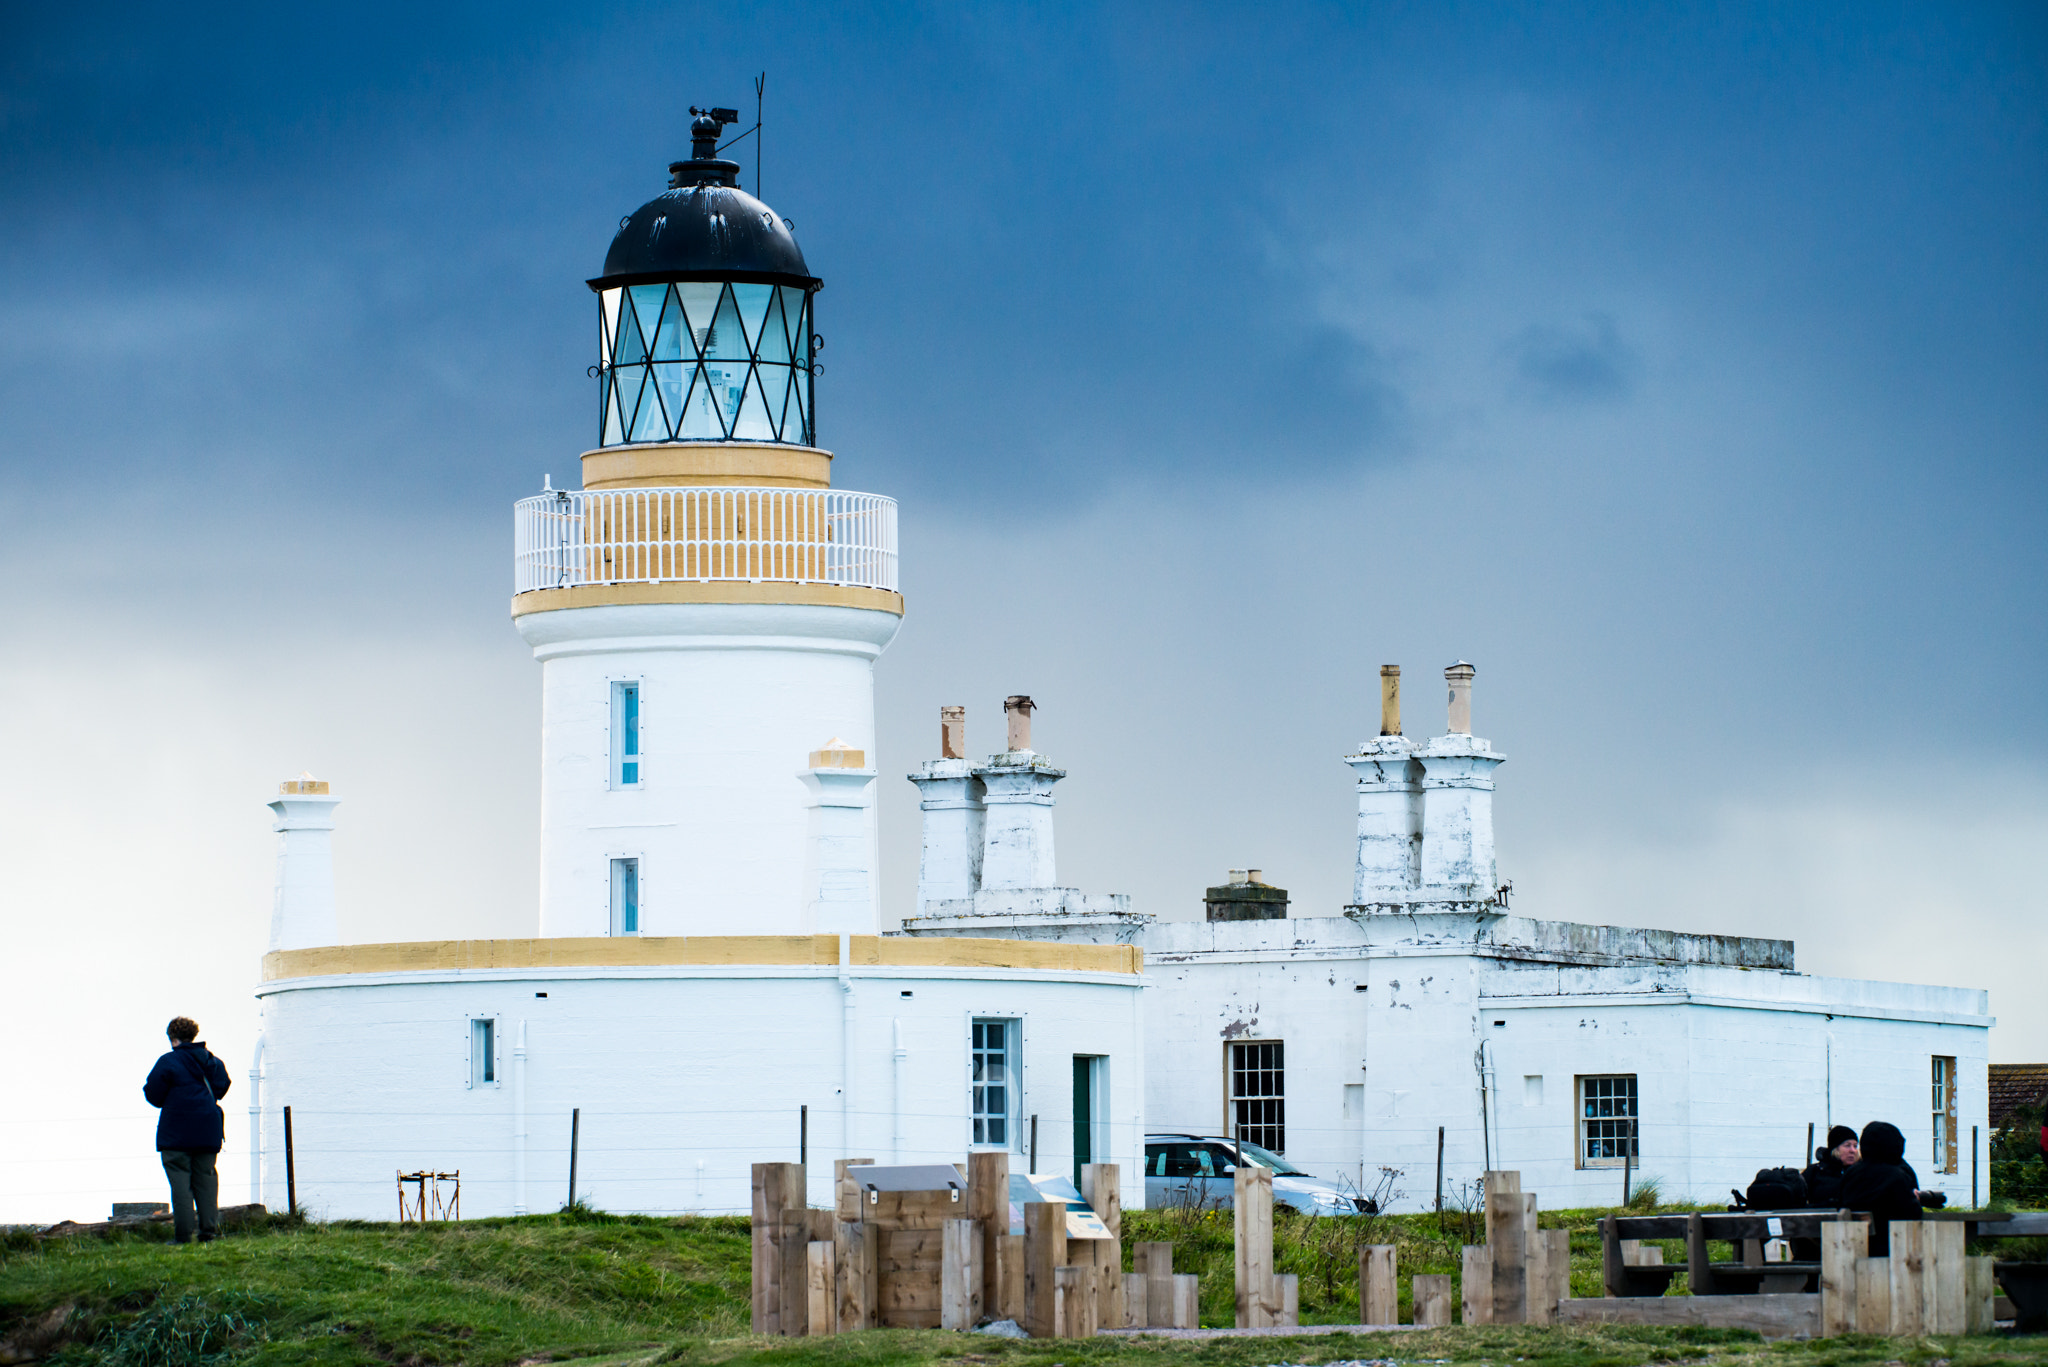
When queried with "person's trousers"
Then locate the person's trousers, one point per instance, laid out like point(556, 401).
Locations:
point(193, 1183)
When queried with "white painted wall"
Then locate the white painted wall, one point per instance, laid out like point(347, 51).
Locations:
point(686, 1077)
point(302, 899)
point(1731, 1063)
point(734, 697)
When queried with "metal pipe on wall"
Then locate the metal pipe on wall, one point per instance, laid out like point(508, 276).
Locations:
point(256, 1125)
point(519, 1122)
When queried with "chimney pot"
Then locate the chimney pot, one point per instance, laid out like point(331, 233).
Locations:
point(1017, 710)
point(953, 733)
point(1390, 700)
point(1459, 677)
point(1252, 875)
point(1237, 876)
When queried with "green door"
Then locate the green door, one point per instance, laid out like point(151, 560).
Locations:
point(1084, 1113)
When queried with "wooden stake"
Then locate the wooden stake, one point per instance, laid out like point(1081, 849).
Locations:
point(1477, 1284)
point(1287, 1293)
point(1432, 1299)
point(1378, 1296)
point(1154, 1262)
point(1076, 1299)
point(1946, 1297)
point(853, 1256)
point(960, 1278)
point(1874, 1296)
point(1187, 1301)
point(821, 1288)
point(1101, 1188)
point(1507, 1240)
point(988, 1201)
point(1979, 1289)
point(1843, 1246)
point(1045, 1251)
point(1910, 1289)
point(1257, 1303)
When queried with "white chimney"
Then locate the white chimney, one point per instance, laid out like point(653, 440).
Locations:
point(839, 853)
point(1457, 800)
point(302, 907)
point(1017, 847)
point(950, 799)
point(1388, 861)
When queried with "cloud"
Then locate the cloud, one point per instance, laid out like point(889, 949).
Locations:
point(1579, 362)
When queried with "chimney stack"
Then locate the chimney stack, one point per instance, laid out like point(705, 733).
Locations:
point(1459, 676)
point(302, 907)
point(952, 733)
point(1390, 700)
point(1017, 710)
point(839, 845)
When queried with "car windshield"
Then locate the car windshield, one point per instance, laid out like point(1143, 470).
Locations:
point(1266, 1158)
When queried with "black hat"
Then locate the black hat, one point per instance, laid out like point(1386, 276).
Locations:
point(1840, 1135)
point(1882, 1142)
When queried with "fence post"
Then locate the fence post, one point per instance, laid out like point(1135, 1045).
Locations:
point(291, 1181)
point(575, 1125)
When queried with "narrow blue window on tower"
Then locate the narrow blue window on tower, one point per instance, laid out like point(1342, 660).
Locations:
point(625, 896)
point(625, 734)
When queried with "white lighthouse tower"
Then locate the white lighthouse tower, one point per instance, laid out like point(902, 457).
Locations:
point(707, 610)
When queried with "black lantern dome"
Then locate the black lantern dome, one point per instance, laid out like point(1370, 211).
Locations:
point(705, 313)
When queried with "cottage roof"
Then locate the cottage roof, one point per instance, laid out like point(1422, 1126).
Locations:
point(2014, 1085)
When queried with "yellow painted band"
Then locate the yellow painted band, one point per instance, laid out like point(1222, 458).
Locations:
point(819, 951)
point(684, 464)
point(714, 591)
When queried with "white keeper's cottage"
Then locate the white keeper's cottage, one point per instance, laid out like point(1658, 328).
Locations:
point(711, 982)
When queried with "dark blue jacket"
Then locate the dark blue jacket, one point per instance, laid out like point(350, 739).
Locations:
point(186, 1085)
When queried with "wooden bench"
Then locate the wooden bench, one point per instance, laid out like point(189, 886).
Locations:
point(1747, 1230)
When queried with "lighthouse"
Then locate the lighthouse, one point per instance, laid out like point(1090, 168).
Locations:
point(707, 609)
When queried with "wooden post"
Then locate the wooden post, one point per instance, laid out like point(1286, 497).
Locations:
point(1910, 1289)
point(1187, 1301)
point(821, 1290)
point(846, 1187)
point(1257, 1303)
point(781, 1233)
point(1979, 1288)
point(1550, 1272)
point(575, 1132)
point(1432, 1299)
point(853, 1259)
point(1843, 1246)
point(1873, 1295)
point(1045, 1251)
point(1011, 1302)
point(1477, 1284)
point(1134, 1301)
point(960, 1275)
point(1699, 1272)
point(1075, 1302)
point(1101, 1189)
point(1378, 1297)
point(1507, 1240)
point(1946, 1304)
point(1287, 1294)
point(988, 1201)
point(1154, 1262)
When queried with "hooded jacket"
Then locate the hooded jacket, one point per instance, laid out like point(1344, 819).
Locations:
point(1824, 1179)
point(1882, 1182)
point(186, 1085)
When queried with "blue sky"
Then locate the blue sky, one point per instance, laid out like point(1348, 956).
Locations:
point(1684, 367)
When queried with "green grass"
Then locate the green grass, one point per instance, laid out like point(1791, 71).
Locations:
point(596, 1288)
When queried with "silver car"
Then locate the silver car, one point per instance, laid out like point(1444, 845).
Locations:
point(1200, 1170)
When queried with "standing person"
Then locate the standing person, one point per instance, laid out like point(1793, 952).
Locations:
point(1824, 1175)
point(186, 1085)
point(1883, 1183)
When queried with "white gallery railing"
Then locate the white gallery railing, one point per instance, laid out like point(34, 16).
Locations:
point(640, 536)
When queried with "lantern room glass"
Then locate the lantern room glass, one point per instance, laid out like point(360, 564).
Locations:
point(705, 361)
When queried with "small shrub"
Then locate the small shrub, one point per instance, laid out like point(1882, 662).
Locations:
point(190, 1331)
point(1646, 1194)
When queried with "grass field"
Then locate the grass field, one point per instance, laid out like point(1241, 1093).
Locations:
point(594, 1288)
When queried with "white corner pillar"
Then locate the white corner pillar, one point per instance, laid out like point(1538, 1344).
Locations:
point(1389, 859)
point(1457, 799)
point(839, 882)
point(302, 908)
point(1017, 799)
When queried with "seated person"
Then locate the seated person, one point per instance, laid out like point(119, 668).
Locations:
point(1824, 1175)
point(1883, 1183)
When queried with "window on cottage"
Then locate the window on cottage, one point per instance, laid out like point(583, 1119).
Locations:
point(625, 896)
point(1607, 1121)
point(483, 1052)
point(625, 734)
point(993, 1045)
point(1944, 1107)
point(1258, 1093)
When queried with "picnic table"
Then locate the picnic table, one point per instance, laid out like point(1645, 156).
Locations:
point(1748, 1230)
